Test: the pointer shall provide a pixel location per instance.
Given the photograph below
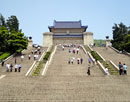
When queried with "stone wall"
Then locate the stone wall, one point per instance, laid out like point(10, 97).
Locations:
point(67, 41)
point(47, 39)
point(88, 38)
point(71, 30)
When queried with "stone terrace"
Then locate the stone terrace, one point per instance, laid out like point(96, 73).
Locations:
point(66, 83)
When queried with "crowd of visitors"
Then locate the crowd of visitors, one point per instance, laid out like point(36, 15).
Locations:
point(16, 67)
point(122, 69)
point(73, 50)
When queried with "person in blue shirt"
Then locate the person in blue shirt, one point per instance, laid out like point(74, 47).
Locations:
point(120, 68)
point(89, 60)
point(19, 67)
point(125, 69)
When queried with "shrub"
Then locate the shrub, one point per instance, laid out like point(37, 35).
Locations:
point(96, 56)
point(47, 56)
point(4, 56)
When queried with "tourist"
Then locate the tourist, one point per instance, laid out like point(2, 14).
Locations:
point(120, 68)
point(106, 71)
point(94, 61)
point(63, 48)
point(74, 50)
point(38, 48)
point(22, 57)
point(35, 56)
point(15, 60)
point(77, 50)
point(3, 61)
point(35, 51)
point(39, 52)
point(69, 61)
point(32, 51)
point(69, 50)
point(7, 67)
point(29, 56)
point(78, 59)
point(72, 61)
point(16, 67)
point(11, 67)
point(88, 70)
point(89, 60)
point(19, 67)
point(125, 69)
point(81, 60)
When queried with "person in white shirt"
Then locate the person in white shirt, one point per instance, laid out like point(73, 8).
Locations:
point(22, 57)
point(29, 57)
point(7, 67)
point(36, 57)
point(16, 67)
point(106, 71)
point(77, 50)
point(94, 61)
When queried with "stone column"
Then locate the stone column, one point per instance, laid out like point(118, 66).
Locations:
point(88, 38)
point(30, 42)
point(47, 39)
point(108, 41)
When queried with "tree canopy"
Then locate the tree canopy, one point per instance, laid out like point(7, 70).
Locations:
point(121, 39)
point(11, 37)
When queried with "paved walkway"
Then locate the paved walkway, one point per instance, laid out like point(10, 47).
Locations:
point(67, 83)
point(26, 64)
point(60, 66)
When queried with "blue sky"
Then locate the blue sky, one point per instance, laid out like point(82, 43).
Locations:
point(36, 15)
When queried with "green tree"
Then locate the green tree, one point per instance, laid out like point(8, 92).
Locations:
point(17, 42)
point(126, 43)
point(12, 24)
point(119, 32)
point(4, 34)
point(2, 21)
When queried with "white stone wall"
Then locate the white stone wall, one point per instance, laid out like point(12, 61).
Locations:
point(30, 42)
point(47, 39)
point(88, 38)
point(108, 42)
point(68, 42)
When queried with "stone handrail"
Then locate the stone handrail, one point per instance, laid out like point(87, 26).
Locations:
point(102, 67)
point(128, 54)
point(101, 56)
point(11, 56)
point(35, 63)
point(113, 64)
point(90, 48)
point(88, 53)
point(48, 62)
point(114, 49)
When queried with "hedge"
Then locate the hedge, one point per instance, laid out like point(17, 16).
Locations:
point(47, 56)
point(4, 56)
point(96, 56)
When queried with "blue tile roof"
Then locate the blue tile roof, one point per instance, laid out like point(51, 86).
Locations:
point(67, 24)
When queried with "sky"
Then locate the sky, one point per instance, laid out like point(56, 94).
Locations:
point(36, 15)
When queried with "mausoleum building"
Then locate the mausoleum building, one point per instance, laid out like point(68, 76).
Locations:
point(67, 32)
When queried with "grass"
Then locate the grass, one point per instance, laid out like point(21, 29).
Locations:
point(44, 60)
point(37, 71)
point(4, 56)
point(96, 56)
point(112, 71)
